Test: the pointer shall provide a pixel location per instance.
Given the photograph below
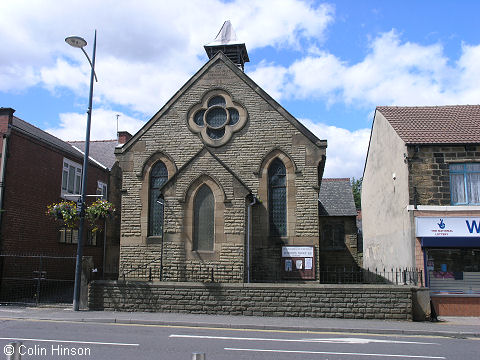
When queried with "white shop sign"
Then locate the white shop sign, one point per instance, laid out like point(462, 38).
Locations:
point(447, 226)
point(297, 251)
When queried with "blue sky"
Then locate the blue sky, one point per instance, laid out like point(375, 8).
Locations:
point(327, 63)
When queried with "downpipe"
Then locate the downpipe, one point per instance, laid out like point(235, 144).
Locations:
point(2, 174)
point(249, 222)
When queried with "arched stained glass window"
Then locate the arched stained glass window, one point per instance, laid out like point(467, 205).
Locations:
point(277, 198)
point(204, 223)
point(158, 177)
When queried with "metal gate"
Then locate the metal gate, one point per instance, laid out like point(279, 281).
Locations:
point(35, 279)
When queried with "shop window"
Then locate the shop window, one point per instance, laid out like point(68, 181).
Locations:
point(277, 198)
point(71, 178)
point(455, 271)
point(158, 177)
point(204, 220)
point(333, 236)
point(465, 184)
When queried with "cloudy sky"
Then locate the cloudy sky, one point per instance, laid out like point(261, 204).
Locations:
point(327, 63)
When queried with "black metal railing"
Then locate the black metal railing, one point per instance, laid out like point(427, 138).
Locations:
point(35, 279)
point(150, 271)
point(211, 272)
point(190, 272)
point(356, 275)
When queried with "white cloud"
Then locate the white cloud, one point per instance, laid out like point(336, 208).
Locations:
point(72, 126)
point(15, 78)
point(392, 73)
point(346, 149)
point(145, 49)
point(272, 77)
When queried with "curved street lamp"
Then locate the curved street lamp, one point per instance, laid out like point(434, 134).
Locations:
point(80, 43)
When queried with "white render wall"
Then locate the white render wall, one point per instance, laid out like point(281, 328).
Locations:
point(388, 230)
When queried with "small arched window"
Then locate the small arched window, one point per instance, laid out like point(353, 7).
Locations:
point(158, 177)
point(277, 198)
point(204, 223)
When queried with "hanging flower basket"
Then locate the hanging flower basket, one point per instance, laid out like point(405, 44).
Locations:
point(64, 211)
point(98, 212)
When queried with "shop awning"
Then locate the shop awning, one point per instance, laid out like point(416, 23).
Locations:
point(451, 242)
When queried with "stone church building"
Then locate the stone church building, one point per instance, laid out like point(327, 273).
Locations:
point(219, 180)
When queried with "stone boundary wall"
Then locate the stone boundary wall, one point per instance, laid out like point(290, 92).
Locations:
point(310, 300)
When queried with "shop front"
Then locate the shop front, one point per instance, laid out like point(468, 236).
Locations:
point(451, 255)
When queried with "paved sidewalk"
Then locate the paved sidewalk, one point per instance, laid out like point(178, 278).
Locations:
point(447, 326)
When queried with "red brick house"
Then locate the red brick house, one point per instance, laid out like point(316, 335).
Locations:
point(37, 169)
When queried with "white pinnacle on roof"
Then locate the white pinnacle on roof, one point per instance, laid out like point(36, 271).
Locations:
point(226, 35)
point(227, 43)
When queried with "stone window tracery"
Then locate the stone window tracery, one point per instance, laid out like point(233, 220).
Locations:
point(216, 118)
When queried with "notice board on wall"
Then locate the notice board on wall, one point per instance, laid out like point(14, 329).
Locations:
point(298, 262)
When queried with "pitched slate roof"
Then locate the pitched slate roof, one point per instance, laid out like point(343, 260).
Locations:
point(336, 198)
point(100, 150)
point(34, 132)
point(99, 153)
point(435, 124)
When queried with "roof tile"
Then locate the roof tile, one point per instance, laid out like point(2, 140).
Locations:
point(336, 198)
point(452, 124)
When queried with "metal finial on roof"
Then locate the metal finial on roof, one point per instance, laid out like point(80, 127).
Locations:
point(226, 42)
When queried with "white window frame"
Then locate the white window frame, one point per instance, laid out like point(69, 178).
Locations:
point(67, 165)
point(102, 189)
point(464, 172)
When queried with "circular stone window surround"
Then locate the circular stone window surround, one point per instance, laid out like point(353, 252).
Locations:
point(229, 129)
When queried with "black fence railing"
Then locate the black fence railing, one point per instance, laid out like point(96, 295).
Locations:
point(356, 275)
point(204, 272)
point(342, 275)
point(150, 271)
point(35, 279)
point(183, 272)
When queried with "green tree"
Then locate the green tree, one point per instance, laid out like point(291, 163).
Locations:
point(357, 192)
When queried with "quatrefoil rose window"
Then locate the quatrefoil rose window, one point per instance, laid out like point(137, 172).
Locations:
point(216, 118)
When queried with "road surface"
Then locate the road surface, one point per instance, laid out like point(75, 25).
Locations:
point(47, 339)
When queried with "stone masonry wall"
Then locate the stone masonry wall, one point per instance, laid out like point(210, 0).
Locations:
point(228, 268)
point(168, 136)
point(429, 171)
point(349, 256)
point(265, 130)
point(333, 301)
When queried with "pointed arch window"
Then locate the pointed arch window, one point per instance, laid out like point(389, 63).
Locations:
point(277, 198)
point(158, 177)
point(204, 223)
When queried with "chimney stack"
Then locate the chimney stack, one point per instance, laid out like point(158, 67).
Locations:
point(123, 137)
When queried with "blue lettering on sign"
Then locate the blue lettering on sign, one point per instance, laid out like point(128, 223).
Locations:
point(474, 226)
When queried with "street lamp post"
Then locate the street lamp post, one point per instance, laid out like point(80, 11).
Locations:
point(80, 43)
